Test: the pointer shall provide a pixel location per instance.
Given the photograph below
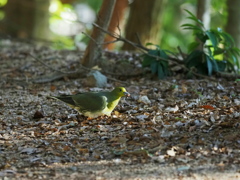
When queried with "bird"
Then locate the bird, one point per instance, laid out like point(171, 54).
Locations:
point(94, 104)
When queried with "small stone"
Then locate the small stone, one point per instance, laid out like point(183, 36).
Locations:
point(96, 79)
point(144, 99)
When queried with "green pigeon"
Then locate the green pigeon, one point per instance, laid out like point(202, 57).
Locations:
point(94, 104)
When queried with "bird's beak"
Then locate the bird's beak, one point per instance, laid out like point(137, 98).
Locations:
point(126, 94)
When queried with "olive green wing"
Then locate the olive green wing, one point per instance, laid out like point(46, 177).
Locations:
point(91, 102)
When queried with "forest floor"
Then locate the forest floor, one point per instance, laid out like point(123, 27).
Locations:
point(190, 131)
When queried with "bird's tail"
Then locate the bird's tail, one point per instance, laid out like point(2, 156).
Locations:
point(65, 98)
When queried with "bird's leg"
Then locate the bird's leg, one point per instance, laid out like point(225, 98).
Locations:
point(103, 117)
point(89, 118)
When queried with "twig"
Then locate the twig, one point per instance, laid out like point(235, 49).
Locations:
point(90, 37)
point(109, 42)
point(113, 79)
point(180, 51)
point(37, 59)
point(139, 41)
point(118, 37)
point(118, 27)
point(57, 70)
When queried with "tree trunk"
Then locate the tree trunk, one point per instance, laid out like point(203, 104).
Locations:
point(203, 12)
point(145, 21)
point(116, 22)
point(233, 23)
point(41, 21)
point(19, 18)
point(26, 18)
point(93, 51)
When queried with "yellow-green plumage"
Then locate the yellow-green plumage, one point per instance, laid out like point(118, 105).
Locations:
point(94, 104)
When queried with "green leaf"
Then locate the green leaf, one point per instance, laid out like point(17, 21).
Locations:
point(235, 51)
point(165, 68)
point(170, 52)
point(158, 66)
point(202, 37)
point(193, 58)
point(194, 18)
point(198, 21)
point(154, 67)
point(214, 64)
point(212, 38)
point(191, 26)
point(154, 52)
point(234, 61)
point(228, 39)
point(221, 65)
point(163, 54)
point(149, 57)
point(151, 44)
point(192, 46)
point(161, 74)
point(218, 51)
point(230, 66)
point(233, 56)
point(196, 60)
point(209, 66)
point(147, 60)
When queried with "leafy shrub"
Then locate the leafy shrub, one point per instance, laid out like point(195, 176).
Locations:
point(209, 46)
point(212, 51)
point(157, 60)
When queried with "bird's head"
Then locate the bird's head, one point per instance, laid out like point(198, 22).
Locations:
point(120, 92)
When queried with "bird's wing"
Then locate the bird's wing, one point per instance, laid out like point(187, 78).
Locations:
point(90, 101)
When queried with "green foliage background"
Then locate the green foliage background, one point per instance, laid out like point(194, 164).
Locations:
point(204, 52)
point(173, 17)
point(174, 35)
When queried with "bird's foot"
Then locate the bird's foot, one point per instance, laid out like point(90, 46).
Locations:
point(89, 118)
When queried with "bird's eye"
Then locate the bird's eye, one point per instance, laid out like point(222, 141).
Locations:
point(120, 90)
